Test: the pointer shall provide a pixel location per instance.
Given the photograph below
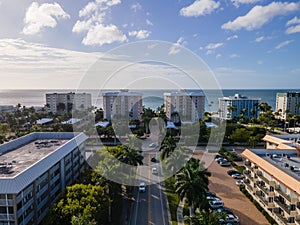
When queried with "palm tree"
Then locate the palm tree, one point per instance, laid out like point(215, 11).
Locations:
point(192, 184)
point(130, 155)
point(204, 218)
point(167, 147)
point(147, 115)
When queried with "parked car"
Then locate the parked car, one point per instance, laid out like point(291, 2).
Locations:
point(210, 198)
point(238, 176)
point(225, 163)
point(231, 172)
point(142, 187)
point(153, 159)
point(239, 182)
point(223, 210)
point(216, 204)
point(230, 219)
point(219, 159)
point(154, 171)
point(212, 194)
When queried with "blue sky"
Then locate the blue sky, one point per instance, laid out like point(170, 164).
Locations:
point(246, 43)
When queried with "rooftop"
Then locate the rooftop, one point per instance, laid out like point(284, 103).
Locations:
point(283, 165)
point(239, 97)
point(16, 161)
point(284, 141)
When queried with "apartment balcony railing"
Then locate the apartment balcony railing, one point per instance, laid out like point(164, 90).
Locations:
point(285, 195)
point(283, 206)
point(282, 218)
point(263, 178)
point(249, 186)
point(264, 201)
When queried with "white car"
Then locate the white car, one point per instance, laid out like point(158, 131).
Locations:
point(142, 187)
point(154, 171)
point(238, 176)
point(239, 182)
point(152, 145)
point(216, 204)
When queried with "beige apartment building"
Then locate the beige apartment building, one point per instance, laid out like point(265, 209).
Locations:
point(61, 103)
point(273, 179)
point(122, 104)
point(184, 106)
point(288, 102)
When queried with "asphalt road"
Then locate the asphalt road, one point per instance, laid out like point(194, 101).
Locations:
point(150, 207)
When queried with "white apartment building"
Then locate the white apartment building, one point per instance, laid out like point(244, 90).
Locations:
point(61, 103)
point(122, 104)
point(231, 107)
point(184, 106)
point(282, 141)
point(273, 180)
point(34, 170)
point(288, 102)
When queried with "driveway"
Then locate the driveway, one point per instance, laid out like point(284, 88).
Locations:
point(224, 186)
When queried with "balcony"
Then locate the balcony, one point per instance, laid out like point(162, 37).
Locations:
point(249, 186)
point(263, 200)
point(263, 178)
point(283, 194)
point(283, 206)
point(282, 218)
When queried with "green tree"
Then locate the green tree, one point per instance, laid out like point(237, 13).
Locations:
point(147, 115)
point(80, 199)
point(192, 184)
point(167, 147)
point(204, 218)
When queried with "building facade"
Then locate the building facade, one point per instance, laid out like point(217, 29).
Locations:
point(288, 103)
point(233, 106)
point(122, 104)
point(184, 106)
point(34, 170)
point(61, 103)
point(273, 180)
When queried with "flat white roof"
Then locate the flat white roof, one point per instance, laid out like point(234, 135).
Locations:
point(71, 121)
point(26, 158)
point(44, 120)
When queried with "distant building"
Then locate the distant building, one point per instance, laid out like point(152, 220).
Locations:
point(61, 103)
point(282, 141)
point(122, 104)
point(6, 108)
point(272, 177)
point(34, 170)
point(184, 106)
point(288, 102)
point(233, 106)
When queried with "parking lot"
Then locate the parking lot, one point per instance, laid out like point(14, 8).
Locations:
point(225, 188)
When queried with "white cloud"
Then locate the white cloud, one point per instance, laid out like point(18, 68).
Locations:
point(232, 37)
point(175, 48)
point(293, 29)
point(260, 39)
point(200, 8)
point(237, 3)
point(232, 56)
point(92, 23)
point(213, 46)
point(218, 56)
point(295, 20)
point(149, 23)
point(136, 7)
point(260, 15)
point(101, 34)
point(46, 15)
point(31, 65)
point(283, 44)
point(139, 34)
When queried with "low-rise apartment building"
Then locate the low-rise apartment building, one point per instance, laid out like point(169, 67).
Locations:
point(282, 141)
point(273, 179)
point(34, 170)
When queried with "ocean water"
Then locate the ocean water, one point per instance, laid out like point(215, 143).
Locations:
point(151, 98)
